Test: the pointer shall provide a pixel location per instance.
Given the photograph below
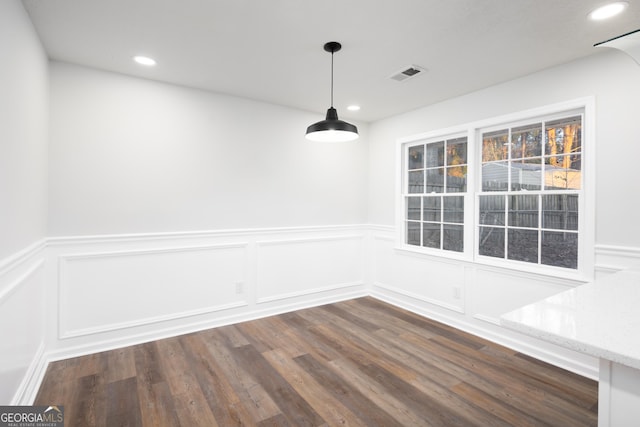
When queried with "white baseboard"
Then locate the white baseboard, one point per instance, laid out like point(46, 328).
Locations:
point(414, 296)
point(28, 389)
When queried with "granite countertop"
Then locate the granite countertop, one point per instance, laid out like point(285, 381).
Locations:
point(601, 318)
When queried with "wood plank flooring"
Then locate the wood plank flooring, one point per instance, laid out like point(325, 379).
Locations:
point(355, 363)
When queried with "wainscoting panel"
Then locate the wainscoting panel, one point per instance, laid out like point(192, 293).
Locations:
point(112, 291)
point(437, 282)
point(105, 291)
point(22, 314)
point(290, 268)
point(611, 259)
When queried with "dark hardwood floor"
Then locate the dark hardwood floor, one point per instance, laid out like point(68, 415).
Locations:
point(357, 363)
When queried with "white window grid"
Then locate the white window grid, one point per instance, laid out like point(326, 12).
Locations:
point(584, 107)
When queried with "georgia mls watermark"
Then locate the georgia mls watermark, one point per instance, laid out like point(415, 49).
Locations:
point(32, 416)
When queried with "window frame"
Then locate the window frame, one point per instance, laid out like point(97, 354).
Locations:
point(473, 131)
point(424, 139)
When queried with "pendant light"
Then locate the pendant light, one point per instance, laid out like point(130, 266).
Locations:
point(332, 129)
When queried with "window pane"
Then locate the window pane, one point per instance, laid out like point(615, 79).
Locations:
point(492, 210)
point(435, 180)
point(457, 151)
point(526, 141)
point(431, 236)
point(435, 154)
point(413, 233)
point(495, 176)
point(416, 157)
point(413, 208)
point(563, 172)
point(453, 237)
point(560, 212)
point(431, 210)
point(528, 206)
point(560, 249)
point(492, 242)
point(416, 182)
point(495, 146)
point(523, 211)
point(526, 175)
point(522, 245)
point(453, 209)
point(564, 136)
point(457, 179)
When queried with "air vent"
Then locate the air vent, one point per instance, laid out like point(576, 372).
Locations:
point(407, 73)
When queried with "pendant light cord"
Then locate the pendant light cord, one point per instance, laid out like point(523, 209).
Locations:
point(331, 79)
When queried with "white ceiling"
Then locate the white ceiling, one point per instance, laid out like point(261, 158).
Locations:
point(271, 50)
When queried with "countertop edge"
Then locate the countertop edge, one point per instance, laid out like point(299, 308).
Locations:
point(569, 343)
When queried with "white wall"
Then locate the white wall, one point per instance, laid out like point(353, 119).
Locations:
point(23, 131)
point(134, 156)
point(473, 296)
point(23, 160)
point(611, 76)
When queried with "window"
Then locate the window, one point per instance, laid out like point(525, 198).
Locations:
point(508, 191)
point(436, 184)
point(531, 180)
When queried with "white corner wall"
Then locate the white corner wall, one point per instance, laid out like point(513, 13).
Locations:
point(473, 296)
point(23, 131)
point(23, 166)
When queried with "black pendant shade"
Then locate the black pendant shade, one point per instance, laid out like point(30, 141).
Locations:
point(332, 129)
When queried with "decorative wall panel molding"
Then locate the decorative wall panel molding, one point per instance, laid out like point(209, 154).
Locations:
point(611, 259)
point(113, 291)
point(429, 280)
point(29, 253)
point(290, 268)
point(105, 291)
point(208, 235)
point(8, 289)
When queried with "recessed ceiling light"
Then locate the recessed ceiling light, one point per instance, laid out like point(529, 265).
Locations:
point(353, 108)
point(145, 60)
point(608, 10)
